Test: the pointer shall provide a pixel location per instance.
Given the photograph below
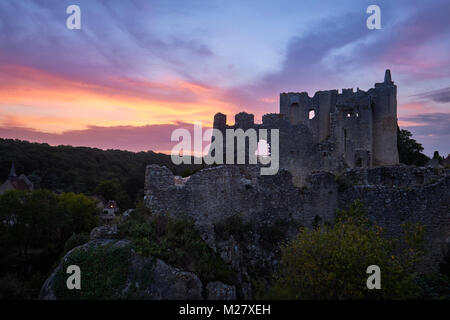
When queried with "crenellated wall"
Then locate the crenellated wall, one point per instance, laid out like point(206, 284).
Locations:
point(330, 131)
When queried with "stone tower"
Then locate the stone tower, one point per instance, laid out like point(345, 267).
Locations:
point(384, 106)
point(331, 130)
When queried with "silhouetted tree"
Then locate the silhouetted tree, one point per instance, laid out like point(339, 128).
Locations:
point(409, 150)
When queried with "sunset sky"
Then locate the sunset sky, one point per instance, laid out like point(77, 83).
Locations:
point(139, 69)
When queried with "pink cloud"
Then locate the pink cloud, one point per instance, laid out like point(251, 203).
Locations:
point(131, 138)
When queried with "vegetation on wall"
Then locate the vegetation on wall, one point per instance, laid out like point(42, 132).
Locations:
point(176, 242)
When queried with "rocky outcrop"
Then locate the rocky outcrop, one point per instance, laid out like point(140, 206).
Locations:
point(146, 278)
point(104, 232)
point(220, 291)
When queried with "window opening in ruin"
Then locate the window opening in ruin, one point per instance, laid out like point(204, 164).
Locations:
point(357, 115)
point(263, 148)
point(358, 163)
point(311, 114)
point(294, 105)
point(349, 115)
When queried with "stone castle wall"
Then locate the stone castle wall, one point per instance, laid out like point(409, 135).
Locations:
point(330, 131)
point(392, 196)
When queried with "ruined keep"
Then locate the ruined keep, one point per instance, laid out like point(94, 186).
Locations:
point(335, 148)
point(330, 131)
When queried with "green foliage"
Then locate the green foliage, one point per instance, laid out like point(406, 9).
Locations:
point(409, 150)
point(141, 214)
point(434, 286)
point(330, 262)
point(44, 219)
point(35, 226)
point(77, 239)
point(80, 209)
point(81, 169)
point(176, 242)
point(108, 189)
point(104, 272)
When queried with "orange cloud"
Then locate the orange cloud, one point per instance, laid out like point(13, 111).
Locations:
point(52, 103)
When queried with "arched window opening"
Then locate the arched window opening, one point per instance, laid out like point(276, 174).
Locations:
point(263, 149)
point(311, 114)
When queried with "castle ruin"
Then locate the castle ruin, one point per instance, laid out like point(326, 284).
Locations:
point(335, 148)
point(330, 131)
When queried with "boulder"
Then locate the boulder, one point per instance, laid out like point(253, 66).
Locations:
point(144, 277)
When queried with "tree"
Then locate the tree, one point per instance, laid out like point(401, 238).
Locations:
point(40, 220)
point(108, 189)
point(330, 262)
point(12, 223)
point(409, 150)
point(81, 211)
point(43, 219)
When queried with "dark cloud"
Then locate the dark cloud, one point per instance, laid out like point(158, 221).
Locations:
point(441, 95)
point(361, 51)
point(430, 123)
point(115, 40)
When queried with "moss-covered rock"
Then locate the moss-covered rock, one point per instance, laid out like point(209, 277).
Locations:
point(111, 269)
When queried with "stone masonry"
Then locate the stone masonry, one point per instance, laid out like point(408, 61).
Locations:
point(334, 148)
point(330, 131)
point(392, 195)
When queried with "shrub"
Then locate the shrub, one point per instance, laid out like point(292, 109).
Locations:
point(434, 286)
point(77, 239)
point(177, 242)
point(330, 262)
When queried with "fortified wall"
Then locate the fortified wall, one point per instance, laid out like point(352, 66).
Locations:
point(392, 196)
point(334, 148)
point(330, 131)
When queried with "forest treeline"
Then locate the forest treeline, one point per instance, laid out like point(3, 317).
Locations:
point(83, 169)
